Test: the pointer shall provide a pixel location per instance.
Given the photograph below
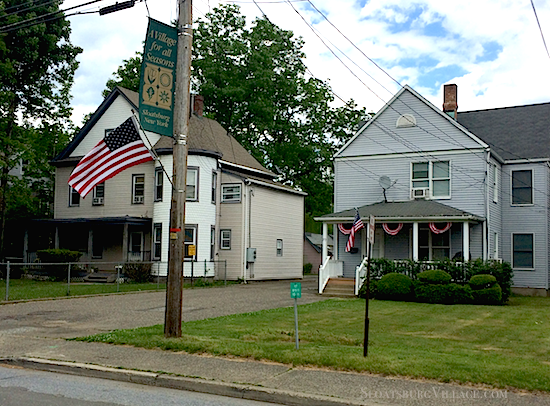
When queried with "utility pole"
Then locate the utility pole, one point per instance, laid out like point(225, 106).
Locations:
point(174, 288)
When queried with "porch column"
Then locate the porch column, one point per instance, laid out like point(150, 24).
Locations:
point(26, 245)
point(90, 242)
point(335, 242)
point(56, 237)
point(125, 242)
point(415, 241)
point(325, 243)
point(466, 241)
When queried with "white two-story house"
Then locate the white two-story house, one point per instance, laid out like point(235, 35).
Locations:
point(233, 209)
point(447, 184)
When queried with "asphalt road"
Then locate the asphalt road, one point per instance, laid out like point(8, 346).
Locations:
point(66, 318)
point(20, 387)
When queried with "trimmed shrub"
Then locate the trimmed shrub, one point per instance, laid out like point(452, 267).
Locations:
point(488, 296)
point(373, 289)
point(434, 277)
point(501, 271)
point(58, 272)
point(395, 286)
point(138, 271)
point(307, 268)
point(481, 281)
point(451, 293)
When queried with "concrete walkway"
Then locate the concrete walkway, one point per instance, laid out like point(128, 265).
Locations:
point(34, 338)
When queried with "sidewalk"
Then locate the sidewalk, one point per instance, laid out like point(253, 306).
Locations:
point(245, 379)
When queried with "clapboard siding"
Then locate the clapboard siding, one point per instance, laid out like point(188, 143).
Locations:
point(433, 132)
point(527, 219)
point(276, 215)
point(231, 218)
point(357, 180)
point(117, 200)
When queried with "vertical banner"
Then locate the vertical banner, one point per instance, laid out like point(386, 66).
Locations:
point(157, 81)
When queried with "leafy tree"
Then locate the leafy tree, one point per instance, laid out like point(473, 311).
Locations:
point(37, 65)
point(257, 86)
point(126, 75)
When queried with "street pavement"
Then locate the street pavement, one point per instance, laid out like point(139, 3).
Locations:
point(33, 335)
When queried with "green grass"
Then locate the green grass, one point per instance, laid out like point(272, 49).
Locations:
point(502, 346)
point(23, 289)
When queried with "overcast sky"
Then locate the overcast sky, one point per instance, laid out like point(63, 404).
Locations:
point(492, 49)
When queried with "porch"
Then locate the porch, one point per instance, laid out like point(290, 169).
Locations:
point(412, 230)
point(106, 239)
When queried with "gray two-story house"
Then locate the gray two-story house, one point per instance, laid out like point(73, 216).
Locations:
point(447, 184)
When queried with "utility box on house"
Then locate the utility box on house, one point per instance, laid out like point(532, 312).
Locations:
point(251, 255)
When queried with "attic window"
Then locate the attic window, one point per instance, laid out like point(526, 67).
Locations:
point(406, 120)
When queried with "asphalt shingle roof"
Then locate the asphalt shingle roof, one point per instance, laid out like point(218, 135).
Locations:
point(413, 209)
point(521, 132)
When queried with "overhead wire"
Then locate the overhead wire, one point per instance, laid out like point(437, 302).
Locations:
point(540, 28)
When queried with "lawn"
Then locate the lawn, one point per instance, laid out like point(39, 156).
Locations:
point(502, 346)
point(23, 289)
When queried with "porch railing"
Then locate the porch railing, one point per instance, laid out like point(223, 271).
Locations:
point(360, 274)
point(329, 269)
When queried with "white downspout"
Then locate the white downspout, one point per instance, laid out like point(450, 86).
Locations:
point(243, 237)
point(486, 228)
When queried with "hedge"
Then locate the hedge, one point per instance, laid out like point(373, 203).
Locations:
point(395, 286)
point(435, 277)
point(451, 293)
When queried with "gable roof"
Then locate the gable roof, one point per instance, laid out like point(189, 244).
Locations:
point(207, 136)
point(521, 132)
point(411, 210)
point(423, 100)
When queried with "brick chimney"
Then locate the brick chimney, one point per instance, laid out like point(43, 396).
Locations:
point(197, 103)
point(450, 105)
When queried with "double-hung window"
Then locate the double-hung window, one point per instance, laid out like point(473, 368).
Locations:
point(138, 189)
point(433, 246)
point(190, 239)
point(431, 179)
point(225, 239)
point(522, 187)
point(279, 247)
point(159, 179)
point(99, 195)
point(192, 186)
point(214, 186)
point(523, 251)
point(231, 193)
point(74, 197)
point(157, 241)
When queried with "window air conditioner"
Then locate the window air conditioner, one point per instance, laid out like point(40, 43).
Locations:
point(420, 193)
point(138, 199)
point(97, 201)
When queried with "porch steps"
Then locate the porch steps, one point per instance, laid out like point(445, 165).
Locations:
point(100, 277)
point(340, 287)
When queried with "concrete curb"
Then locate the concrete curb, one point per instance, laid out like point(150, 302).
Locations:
point(179, 382)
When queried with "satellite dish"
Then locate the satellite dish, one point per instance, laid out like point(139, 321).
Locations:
point(385, 182)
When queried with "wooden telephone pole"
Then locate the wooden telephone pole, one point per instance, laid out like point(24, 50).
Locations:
point(174, 288)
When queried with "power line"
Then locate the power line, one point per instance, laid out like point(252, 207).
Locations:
point(25, 23)
point(540, 28)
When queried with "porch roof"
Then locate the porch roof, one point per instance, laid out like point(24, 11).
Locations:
point(133, 221)
point(407, 211)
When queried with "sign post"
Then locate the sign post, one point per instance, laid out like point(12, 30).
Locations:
point(370, 244)
point(295, 293)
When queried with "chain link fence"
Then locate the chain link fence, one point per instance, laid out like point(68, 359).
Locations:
point(21, 281)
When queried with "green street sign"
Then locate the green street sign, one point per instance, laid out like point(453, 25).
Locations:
point(157, 82)
point(295, 290)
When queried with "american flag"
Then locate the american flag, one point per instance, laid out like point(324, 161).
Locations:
point(119, 150)
point(357, 225)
